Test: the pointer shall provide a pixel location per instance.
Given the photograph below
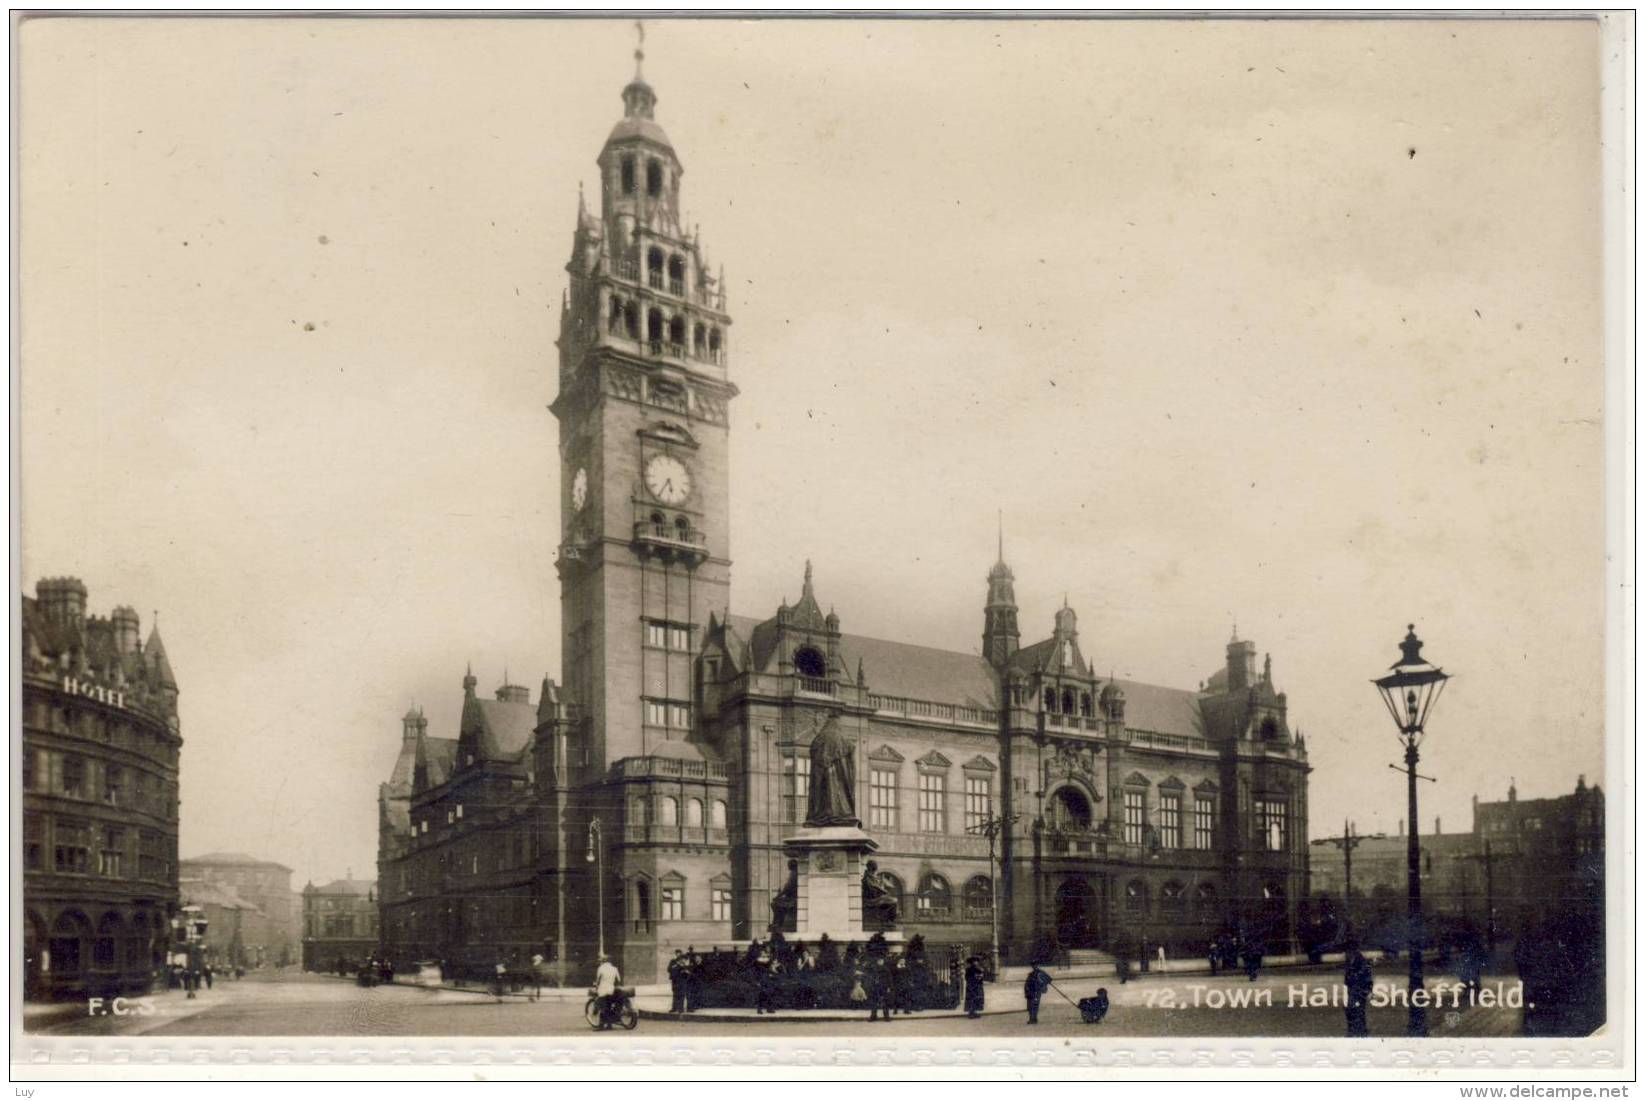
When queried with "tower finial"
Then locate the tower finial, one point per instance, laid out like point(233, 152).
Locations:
point(639, 49)
point(1000, 515)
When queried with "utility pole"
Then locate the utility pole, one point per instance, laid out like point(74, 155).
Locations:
point(992, 827)
point(1348, 842)
point(1488, 859)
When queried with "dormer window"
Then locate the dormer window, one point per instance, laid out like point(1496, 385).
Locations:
point(809, 662)
point(654, 177)
point(628, 175)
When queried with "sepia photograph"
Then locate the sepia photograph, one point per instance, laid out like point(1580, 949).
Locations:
point(668, 531)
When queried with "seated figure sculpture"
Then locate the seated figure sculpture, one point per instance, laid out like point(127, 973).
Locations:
point(879, 905)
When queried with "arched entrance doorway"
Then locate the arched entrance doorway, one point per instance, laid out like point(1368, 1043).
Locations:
point(1076, 913)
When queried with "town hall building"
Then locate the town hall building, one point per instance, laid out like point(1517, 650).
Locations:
point(640, 805)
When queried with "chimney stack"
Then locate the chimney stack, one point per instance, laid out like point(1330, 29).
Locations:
point(124, 619)
point(1436, 825)
point(63, 599)
point(1402, 827)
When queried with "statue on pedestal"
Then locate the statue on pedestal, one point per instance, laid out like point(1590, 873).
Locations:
point(879, 905)
point(831, 798)
point(785, 904)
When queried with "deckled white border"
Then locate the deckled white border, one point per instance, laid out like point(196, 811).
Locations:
point(903, 1053)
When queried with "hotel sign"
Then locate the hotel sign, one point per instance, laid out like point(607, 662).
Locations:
point(75, 687)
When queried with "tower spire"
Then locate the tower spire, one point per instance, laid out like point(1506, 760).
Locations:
point(639, 50)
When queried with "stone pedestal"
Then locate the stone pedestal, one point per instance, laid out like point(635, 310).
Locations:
point(830, 866)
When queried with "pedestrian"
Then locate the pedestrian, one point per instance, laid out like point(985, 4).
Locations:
point(858, 995)
point(606, 980)
point(1214, 954)
point(1122, 967)
point(1033, 989)
point(676, 981)
point(538, 966)
point(207, 972)
point(1161, 955)
point(766, 1000)
point(973, 988)
point(901, 981)
point(694, 967)
point(1356, 975)
point(1252, 956)
point(879, 988)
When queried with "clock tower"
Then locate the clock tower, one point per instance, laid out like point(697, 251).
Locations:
point(644, 552)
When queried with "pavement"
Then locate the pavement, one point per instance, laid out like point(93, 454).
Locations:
point(1159, 1005)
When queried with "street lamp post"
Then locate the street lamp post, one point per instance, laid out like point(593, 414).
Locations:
point(596, 857)
point(991, 828)
point(1410, 690)
point(1348, 842)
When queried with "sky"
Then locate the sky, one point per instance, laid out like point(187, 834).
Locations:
point(1294, 325)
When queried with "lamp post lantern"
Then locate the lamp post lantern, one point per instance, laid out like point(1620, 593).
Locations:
point(1410, 689)
point(596, 857)
point(992, 827)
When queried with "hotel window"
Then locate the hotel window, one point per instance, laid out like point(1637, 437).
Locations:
point(74, 776)
point(34, 842)
point(796, 779)
point(1271, 824)
point(673, 902)
point(111, 861)
point(719, 903)
point(72, 851)
point(882, 798)
point(679, 638)
point(933, 800)
point(114, 785)
point(1135, 816)
point(679, 716)
point(1170, 820)
point(979, 802)
point(656, 634)
point(1205, 814)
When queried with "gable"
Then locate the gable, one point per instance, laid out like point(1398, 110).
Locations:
point(886, 753)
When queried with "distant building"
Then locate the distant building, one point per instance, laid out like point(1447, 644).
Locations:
point(339, 923)
point(101, 745)
point(273, 923)
point(1522, 861)
point(227, 915)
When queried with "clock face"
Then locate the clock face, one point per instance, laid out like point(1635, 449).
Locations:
point(668, 479)
point(579, 489)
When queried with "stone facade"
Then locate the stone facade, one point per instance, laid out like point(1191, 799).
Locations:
point(673, 758)
point(101, 745)
point(339, 923)
point(271, 926)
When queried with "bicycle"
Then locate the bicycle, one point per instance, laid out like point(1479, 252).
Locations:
point(625, 1015)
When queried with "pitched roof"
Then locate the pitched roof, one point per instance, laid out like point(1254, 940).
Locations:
point(346, 887)
point(505, 728)
point(233, 858)
point(1161, 710)
point(438, 755)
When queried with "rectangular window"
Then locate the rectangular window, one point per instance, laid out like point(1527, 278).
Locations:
point(719, 905)
point(34, 842)
point(656, 634)
point(1170, 821)
point(74, 776)
point(114, 785)
point(933, 802)
point(112, 859)
point(1205, 813)
point(668, 636)
point(979, 802)
point(1271, 824)
point(796, 780)
point(882, 798)
point(1135, 816)
point(72, 851)
point(679, 716)
point(673, 903)
point(656, 713)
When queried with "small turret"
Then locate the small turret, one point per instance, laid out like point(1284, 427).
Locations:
point(1242, 663)
point(411, 725)
point(126, 629)
point(1000, 636)
point(63, 600)
point(469, 681)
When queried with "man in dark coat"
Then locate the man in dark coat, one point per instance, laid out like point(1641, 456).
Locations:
point(676, 981)
point(1356, 975)
point(973, 987)
point(878, 981)
point(1033, 989)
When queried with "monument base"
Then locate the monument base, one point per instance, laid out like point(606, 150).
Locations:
point(830, 863)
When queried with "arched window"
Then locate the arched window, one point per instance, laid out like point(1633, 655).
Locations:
point(631, 320)
point(714, 343)
point(979, 898)
point(809, 662)
point(1205, 903)
point(1136, 898)
point(1085, 704)
point(641, 902)
point(628, 175)
point(676, 335)
point(682, 529)
point(698, 340)
point(1050, 699)
point(654, 329)
point(1070, 811)
point(636, 811)
point(694, 813)
point(668, 811)
point(717, 817)
point(676, 274)
point(616, 314)
point(67, 934)
point(894, 887)
point(1067, 701)
point(936, 899)
point(103, 952)
point(654, 268)
point(653, 177)
point(1171, 901)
